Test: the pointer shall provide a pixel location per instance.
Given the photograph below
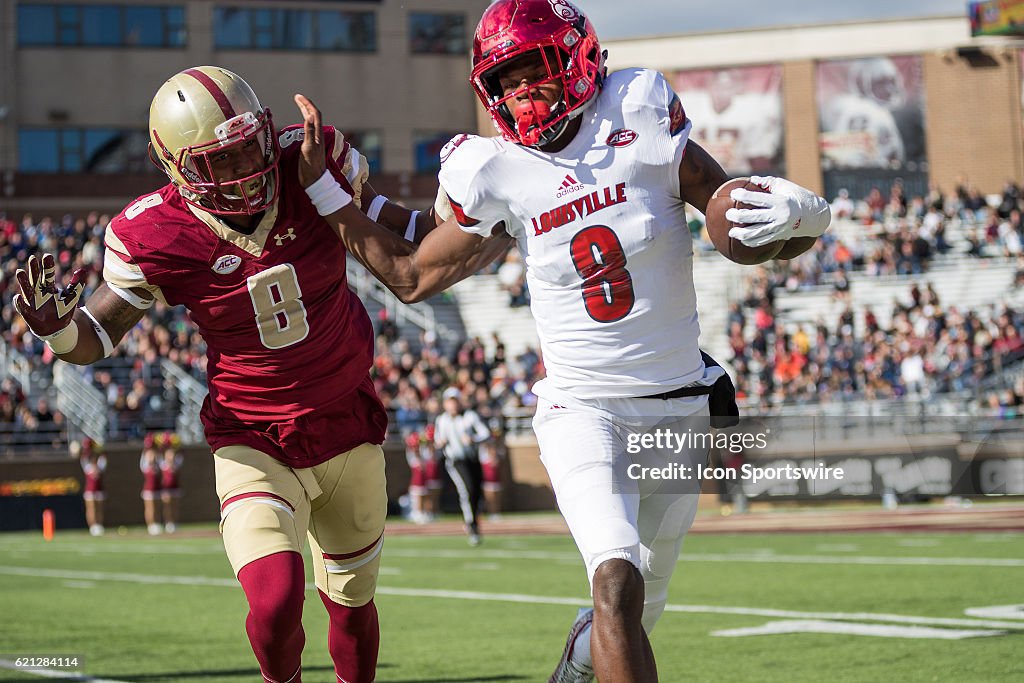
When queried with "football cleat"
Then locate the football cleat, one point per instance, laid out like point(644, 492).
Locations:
point(474, 534)
point(568, 670)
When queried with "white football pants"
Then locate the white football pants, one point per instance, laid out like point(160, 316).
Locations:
point(612, 509)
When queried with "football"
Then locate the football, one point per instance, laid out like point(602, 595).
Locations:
point(719, 226)
point(794, 247)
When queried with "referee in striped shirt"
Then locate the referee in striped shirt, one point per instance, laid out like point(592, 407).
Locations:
point(459, 432)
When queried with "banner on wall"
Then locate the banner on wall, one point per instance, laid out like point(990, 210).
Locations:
point(996, 18)
point(872, 113)
point(736, 115)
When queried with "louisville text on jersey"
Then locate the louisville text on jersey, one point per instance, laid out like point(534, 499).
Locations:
point(578, 209)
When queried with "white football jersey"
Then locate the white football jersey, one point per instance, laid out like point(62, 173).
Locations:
point(602, 230)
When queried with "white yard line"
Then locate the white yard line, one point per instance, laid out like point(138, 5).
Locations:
point(54, 673)
point(845, 628)
point(759, 557)
point(76, 575)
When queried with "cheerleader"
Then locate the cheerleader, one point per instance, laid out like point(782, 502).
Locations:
point(431, 473)
point(490, 465)
point(170, 490)
point(149, 463)
point(417, 481)
point(94, 464)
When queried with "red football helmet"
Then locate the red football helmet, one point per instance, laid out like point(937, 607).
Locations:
point(563, 40)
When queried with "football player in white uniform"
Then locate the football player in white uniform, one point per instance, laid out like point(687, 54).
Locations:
point(589, 177)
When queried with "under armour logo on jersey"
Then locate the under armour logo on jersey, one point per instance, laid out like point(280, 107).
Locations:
point(569, 185)
point(290, 235)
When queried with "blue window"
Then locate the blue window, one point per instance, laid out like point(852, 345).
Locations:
point(369, 144)
point(82, 150)
point(38, 151)
point(427, 149)
point(71, 150)
point(237, 28)
point(443, 34)
point(101, 25)
point(151, 26)
point(37, 25)
point(232, 28)
point(347, 31)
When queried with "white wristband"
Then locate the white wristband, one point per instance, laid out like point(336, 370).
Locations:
point(327, 195)
point(410, 230)
point(64, 340)
point(108, 346)
point(375, 206)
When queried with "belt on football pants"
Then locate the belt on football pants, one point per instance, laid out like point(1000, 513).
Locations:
point(682, 392)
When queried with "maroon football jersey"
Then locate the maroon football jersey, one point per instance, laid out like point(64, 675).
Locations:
point(289, 345)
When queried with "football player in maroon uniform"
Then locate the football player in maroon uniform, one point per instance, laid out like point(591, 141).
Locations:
point(292, 417)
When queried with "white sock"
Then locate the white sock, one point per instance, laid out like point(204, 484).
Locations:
point(581, 649)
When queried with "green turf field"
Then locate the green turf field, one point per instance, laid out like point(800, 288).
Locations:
point(167, 609)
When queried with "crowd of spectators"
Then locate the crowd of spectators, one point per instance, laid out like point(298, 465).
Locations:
point(131, 380)
point(901, 235)
point(1006, 404)
point(927, 347)
point(409, 376)
point(410, 382)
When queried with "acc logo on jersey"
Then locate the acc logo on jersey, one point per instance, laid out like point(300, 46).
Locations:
point(623, 137)
point(565, 10)
point(227, 264)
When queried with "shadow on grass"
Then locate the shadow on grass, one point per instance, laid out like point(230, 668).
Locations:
point(473, 679)
point(213, 674)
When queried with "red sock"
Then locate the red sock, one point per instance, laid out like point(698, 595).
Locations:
point(275, 588)
point(353, 640)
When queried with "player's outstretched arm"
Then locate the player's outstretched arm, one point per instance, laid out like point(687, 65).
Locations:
point(77, 335)
point(410, 224)
point(414, 273)
point(446, 255)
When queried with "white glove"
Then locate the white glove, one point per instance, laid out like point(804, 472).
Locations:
point(785, 211)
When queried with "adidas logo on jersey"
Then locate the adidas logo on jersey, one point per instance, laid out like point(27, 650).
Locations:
point(569, 185)
point(227, 264)
point(578, 209)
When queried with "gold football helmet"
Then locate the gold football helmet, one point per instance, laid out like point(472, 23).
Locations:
point(213, 139)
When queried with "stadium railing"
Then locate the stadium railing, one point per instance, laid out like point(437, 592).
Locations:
point(15, 364)
point(420, 315)
point(81, 402)
point(191, 393)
